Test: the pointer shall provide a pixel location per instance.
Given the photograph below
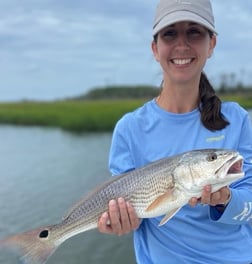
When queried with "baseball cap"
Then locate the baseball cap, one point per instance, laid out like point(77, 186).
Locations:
point(172, 11)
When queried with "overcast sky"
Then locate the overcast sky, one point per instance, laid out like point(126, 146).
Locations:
point(52, 49)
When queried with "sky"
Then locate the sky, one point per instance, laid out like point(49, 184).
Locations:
point(56, 49)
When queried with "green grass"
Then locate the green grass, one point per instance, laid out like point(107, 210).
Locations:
point(76, 116)
point(245, 100)
point(79, 116)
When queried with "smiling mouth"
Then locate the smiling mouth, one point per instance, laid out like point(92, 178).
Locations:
point(182, 61)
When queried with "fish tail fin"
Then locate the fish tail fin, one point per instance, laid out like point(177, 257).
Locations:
point(33, 246)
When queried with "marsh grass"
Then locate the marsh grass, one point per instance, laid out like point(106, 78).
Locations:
point(80, 115)
point(245, 100)
point(93, 115)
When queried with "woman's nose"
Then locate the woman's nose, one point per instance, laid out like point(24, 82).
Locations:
point(182, 41)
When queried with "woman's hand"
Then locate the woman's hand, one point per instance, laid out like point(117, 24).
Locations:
point(120, 219)
point(222, 196)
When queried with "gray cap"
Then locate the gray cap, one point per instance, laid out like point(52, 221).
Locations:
point(173, 11)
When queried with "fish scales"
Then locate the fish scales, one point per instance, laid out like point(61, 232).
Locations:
point(139, 187)
point(155, 179)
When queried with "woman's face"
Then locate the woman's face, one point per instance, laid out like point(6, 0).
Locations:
point(182, 50)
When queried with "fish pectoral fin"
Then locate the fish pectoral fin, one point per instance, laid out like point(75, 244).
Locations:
point(168, 216)
point(164, 198)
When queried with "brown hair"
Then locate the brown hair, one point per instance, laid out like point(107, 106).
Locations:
point(210, 106)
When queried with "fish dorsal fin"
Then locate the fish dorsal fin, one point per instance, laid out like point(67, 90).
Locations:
point(162, 199)
point(168, 216)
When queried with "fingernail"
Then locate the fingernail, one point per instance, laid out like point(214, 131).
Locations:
point(105, 215)
point(112, 203)
point(120, 200)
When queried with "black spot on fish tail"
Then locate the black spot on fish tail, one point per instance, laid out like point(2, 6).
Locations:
point(33, 247)
point(44, 233)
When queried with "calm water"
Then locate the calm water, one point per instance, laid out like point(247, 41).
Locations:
point(45, 171)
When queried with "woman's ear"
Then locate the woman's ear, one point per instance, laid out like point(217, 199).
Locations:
point(213, 41)
point(155, 50)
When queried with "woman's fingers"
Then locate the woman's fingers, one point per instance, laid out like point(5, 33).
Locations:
point(120, 219)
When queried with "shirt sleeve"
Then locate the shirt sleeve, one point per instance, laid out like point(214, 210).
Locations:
point(239, 209)
point(120, 157)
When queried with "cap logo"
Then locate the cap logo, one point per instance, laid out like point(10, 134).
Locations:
point(182, 2)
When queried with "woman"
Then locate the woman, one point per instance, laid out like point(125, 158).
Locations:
point(186, 115)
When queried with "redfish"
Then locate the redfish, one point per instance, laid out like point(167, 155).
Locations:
point(159, 188)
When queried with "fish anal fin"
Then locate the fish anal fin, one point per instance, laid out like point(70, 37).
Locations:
point(162, 199)
point(168, 216)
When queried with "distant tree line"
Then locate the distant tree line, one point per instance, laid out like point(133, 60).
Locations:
point(229, 82)
point(121, 92)
point(146, 92)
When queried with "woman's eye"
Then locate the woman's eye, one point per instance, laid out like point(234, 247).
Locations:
point(195, 33)
point(191, 34)
point(169, 34)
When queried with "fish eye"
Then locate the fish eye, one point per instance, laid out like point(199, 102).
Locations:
point(212, 156)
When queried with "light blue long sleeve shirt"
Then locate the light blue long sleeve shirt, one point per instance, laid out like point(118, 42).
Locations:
point(198, 234)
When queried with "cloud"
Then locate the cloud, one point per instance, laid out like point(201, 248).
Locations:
point(56, 48)
point(232, 54)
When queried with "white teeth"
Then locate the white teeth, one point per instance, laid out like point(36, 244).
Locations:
point(181, 61)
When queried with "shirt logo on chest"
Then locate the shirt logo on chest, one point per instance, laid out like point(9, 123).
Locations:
point(214, 139)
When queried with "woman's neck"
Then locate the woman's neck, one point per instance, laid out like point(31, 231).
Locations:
point(179, 98)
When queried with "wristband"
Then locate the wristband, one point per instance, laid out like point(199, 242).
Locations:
point(224, 205)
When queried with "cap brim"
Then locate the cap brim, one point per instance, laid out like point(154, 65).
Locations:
point(180, 16)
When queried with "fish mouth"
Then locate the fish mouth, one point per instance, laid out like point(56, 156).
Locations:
point(232, 168)
point(236, 165)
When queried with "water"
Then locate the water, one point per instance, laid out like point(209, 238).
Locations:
point(45, 171)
